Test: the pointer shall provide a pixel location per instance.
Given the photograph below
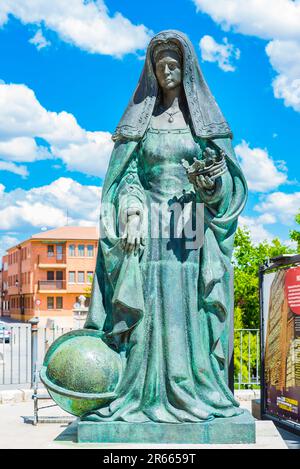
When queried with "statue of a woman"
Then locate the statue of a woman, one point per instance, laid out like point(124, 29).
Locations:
point(163, 302)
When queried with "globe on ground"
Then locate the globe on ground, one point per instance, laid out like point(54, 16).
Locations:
point(81, 372)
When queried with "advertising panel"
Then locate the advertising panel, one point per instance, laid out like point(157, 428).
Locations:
point(281, 347)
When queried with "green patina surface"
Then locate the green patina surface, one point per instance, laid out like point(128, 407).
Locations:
point(238, 430)
point(84, 364)
point(167, 309)
point(78, 406)
point(81, 372)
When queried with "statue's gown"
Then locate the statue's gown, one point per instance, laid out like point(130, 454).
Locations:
point(174, 371)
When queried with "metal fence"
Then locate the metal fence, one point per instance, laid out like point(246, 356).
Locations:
point(246, 358)
point(25, 351)
point(15, 355)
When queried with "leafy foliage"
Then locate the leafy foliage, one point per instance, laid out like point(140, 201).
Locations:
point(247, 259)
point(294, 234)
point(246, 354)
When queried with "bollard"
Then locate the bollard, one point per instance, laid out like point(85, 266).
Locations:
point(34, 347)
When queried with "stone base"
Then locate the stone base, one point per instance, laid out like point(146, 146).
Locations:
point(234, 430)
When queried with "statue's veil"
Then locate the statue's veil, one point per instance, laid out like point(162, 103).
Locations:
point(206, 118)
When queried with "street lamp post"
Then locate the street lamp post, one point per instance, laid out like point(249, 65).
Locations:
point(34, 322)
point(21, 297)
point(2, 303)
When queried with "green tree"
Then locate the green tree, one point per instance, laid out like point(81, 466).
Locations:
point(247, 259)
point(295, 234)
point(88, 289)
point(246, 351)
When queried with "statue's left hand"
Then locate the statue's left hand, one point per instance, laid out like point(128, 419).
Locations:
point(204, 174)
point(205, 183)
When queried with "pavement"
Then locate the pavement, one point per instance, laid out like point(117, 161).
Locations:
point(17, 431)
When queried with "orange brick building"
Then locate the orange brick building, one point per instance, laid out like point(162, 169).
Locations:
point(48, 272)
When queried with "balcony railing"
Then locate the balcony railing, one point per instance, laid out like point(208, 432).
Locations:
point(59, 259)
point(52, 285)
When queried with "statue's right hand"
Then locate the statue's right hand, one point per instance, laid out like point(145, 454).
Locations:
point(132, 239)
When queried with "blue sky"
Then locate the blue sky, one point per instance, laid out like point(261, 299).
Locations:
point(68, 69)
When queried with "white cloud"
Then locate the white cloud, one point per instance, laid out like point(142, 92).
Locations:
point(86, 24)
point(223, 54)
point(39, 40)
point(285, 59)
point(23, 119)
point(22, 149)
point(21, 113)
point(257, 230)
point(266, 219)
point(90, 156)
point(49, 206)
point(277, 207)
point(13, 168)
point(277, 21)
point(7, 242)
point(260, 170)
point(262, 18)
point(283, 207)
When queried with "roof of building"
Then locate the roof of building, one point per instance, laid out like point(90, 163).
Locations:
point(64, 233)
point(69, 232)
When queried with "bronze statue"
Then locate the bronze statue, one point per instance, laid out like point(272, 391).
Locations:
point(162, 299)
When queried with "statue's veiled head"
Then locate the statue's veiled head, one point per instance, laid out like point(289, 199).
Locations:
point(170, 62)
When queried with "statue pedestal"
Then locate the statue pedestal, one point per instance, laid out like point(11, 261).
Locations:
point(238, 430)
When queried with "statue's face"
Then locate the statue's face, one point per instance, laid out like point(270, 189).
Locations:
point(168, 70)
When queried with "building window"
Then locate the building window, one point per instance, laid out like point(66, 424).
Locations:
point(71, 277)
point(59, 302)
point(90, 250)
point(50, 302)
point(50, 250)
point(23, 254)
point(72, 250)
point(50, 275)
point(59, 252)
point(90, 277)
point(81, 250)
point(80, 277)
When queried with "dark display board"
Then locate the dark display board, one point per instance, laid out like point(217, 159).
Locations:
point(280, 319)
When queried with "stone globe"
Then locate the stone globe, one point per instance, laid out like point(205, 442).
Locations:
point(80, 372)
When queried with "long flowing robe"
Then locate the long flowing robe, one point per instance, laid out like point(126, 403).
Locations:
point(152, 391)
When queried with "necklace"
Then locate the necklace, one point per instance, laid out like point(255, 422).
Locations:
point(170, 114)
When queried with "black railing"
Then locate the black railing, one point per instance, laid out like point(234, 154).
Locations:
point(55, 259)
point(52, 284)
